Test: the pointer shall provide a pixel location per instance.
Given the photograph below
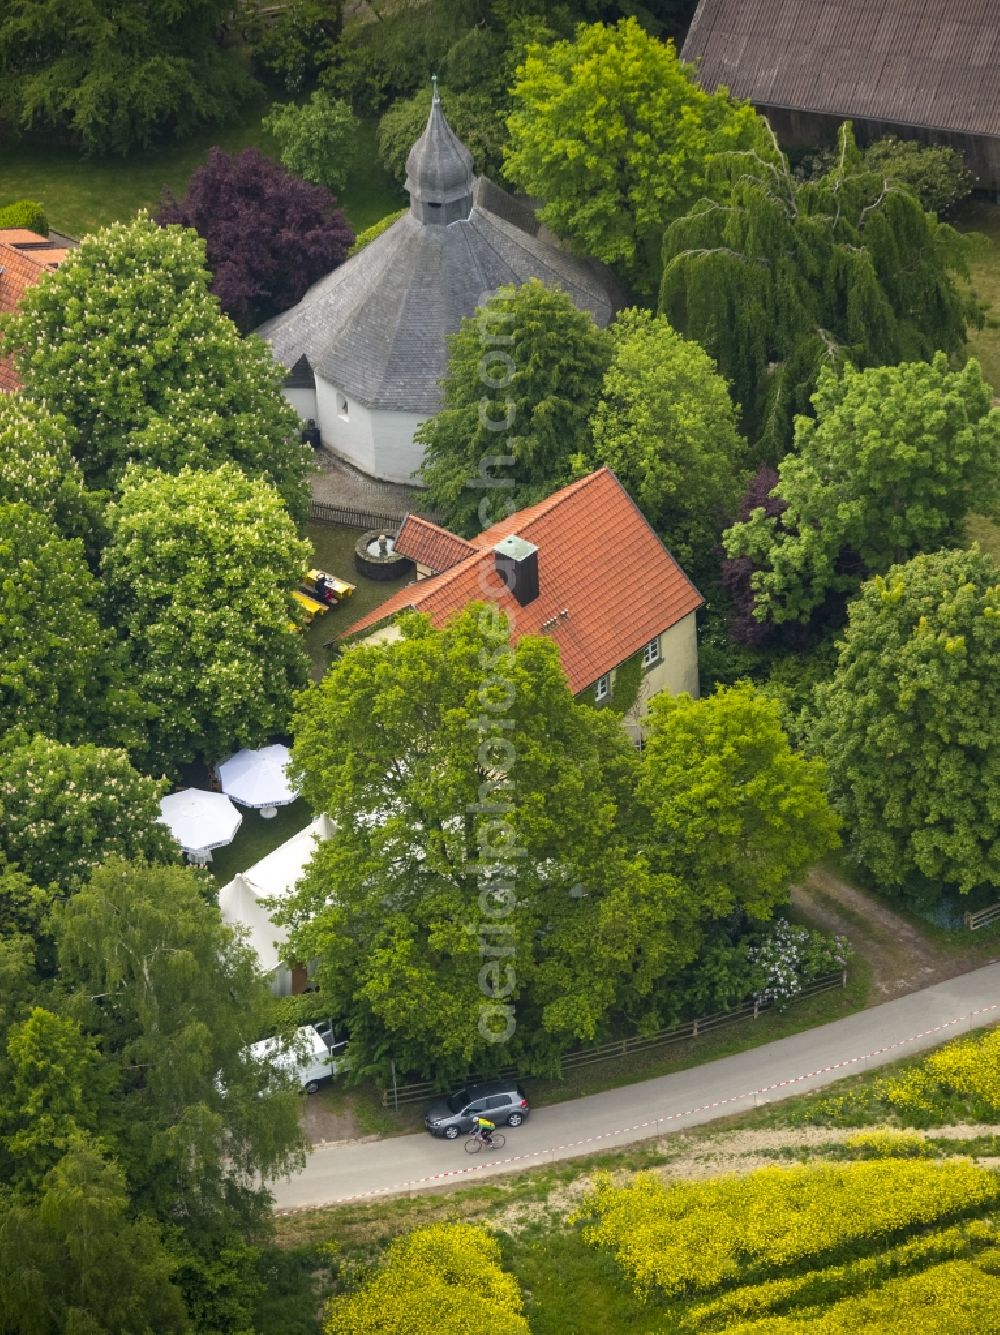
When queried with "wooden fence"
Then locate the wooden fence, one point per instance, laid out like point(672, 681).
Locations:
point(351, 518)
point(396, 1095)
point(983, 918)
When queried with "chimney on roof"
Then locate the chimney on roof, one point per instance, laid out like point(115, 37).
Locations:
point(517, 565)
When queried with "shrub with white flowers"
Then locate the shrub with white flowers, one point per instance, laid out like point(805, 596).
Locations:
point(790, 956)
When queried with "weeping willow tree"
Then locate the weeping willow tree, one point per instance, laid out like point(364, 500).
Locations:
point(784, 277)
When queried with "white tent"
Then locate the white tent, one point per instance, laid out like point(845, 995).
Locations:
point(274, 877)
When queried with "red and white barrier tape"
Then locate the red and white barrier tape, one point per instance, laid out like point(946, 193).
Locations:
point(655, 1122)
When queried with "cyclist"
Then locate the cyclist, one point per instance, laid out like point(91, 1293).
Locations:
point(483, 1129)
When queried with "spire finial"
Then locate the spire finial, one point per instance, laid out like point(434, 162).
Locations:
point(434, 82)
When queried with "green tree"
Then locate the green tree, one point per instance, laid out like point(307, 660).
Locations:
point(666, 425)
point(60, 670)
point(446, 1278)
point(524, 375)
point(53, 1092)
point(734, 813)
point(185, 1117)
point(890, 466)
point(783, 277)
point(38, 468)
point(939, 176)
point(317, 139)
point(64, 809)
point(198, 576)
point(78, 1262)
point(909, 725)
point(479, 873)
point(114, 77)
point(471, 114)
point(612, 131)
point(126, 342)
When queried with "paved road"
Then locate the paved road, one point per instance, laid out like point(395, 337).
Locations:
point(774, 1070)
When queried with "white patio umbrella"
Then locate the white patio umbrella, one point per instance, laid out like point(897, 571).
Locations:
point(200, 821)
point(258, 779)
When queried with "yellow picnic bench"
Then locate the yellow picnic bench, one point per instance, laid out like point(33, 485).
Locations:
point(340, 587)
point(311, 606)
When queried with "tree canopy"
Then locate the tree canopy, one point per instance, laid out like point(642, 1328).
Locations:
point(612, 131)
point(478, 874)
point(317, 139)
point(909, 724)
point(64, 809)
point(113, 77)
point(125, 342)
point(61, 672)
point(269, 235)
point(777, 278)
point(38, 468)
point(734, 813)
point(184, 1114)
point(524, 375)
point(666, 425)
point(894, 459)
point(198, 575)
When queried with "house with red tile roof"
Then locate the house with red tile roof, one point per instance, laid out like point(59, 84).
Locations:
point(24, 258)
point(582, 567)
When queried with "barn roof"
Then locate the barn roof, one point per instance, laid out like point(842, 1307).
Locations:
point(922, 63)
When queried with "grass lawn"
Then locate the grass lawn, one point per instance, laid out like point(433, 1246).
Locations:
point(80, 194)
point(333, 545)
point(256, 838)
point(983, 217)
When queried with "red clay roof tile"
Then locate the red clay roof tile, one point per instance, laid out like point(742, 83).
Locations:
point(24, 258)
point(598, 561)
point(431, 546)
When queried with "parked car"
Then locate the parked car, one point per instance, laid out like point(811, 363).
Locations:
point(306, 1057)
point(501, 1101)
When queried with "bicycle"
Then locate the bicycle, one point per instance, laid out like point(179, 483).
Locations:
point(474, 1144)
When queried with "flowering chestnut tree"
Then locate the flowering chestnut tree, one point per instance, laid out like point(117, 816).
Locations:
point(58, 666)
point(65, 809)
point(128, 344)
point(37, 466)
point(199, 571)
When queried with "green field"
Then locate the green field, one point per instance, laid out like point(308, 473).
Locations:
point(80, 194)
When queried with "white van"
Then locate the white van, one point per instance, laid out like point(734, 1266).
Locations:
point(305, 1057)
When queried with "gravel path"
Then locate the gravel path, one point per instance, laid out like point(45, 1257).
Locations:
point(902, 957)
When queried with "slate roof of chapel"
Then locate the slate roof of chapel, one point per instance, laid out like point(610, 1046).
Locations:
point(376, 327)
point(598, 560)
point(927, 63)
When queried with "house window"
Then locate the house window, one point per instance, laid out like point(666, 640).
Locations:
point(651, 653)
point(603, 688)
point(342, 406)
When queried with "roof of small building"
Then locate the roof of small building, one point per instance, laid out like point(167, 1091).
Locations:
point(430, 545)
point(24, 258)
point(606, 583)
point(376, 327)
point(908, 62)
